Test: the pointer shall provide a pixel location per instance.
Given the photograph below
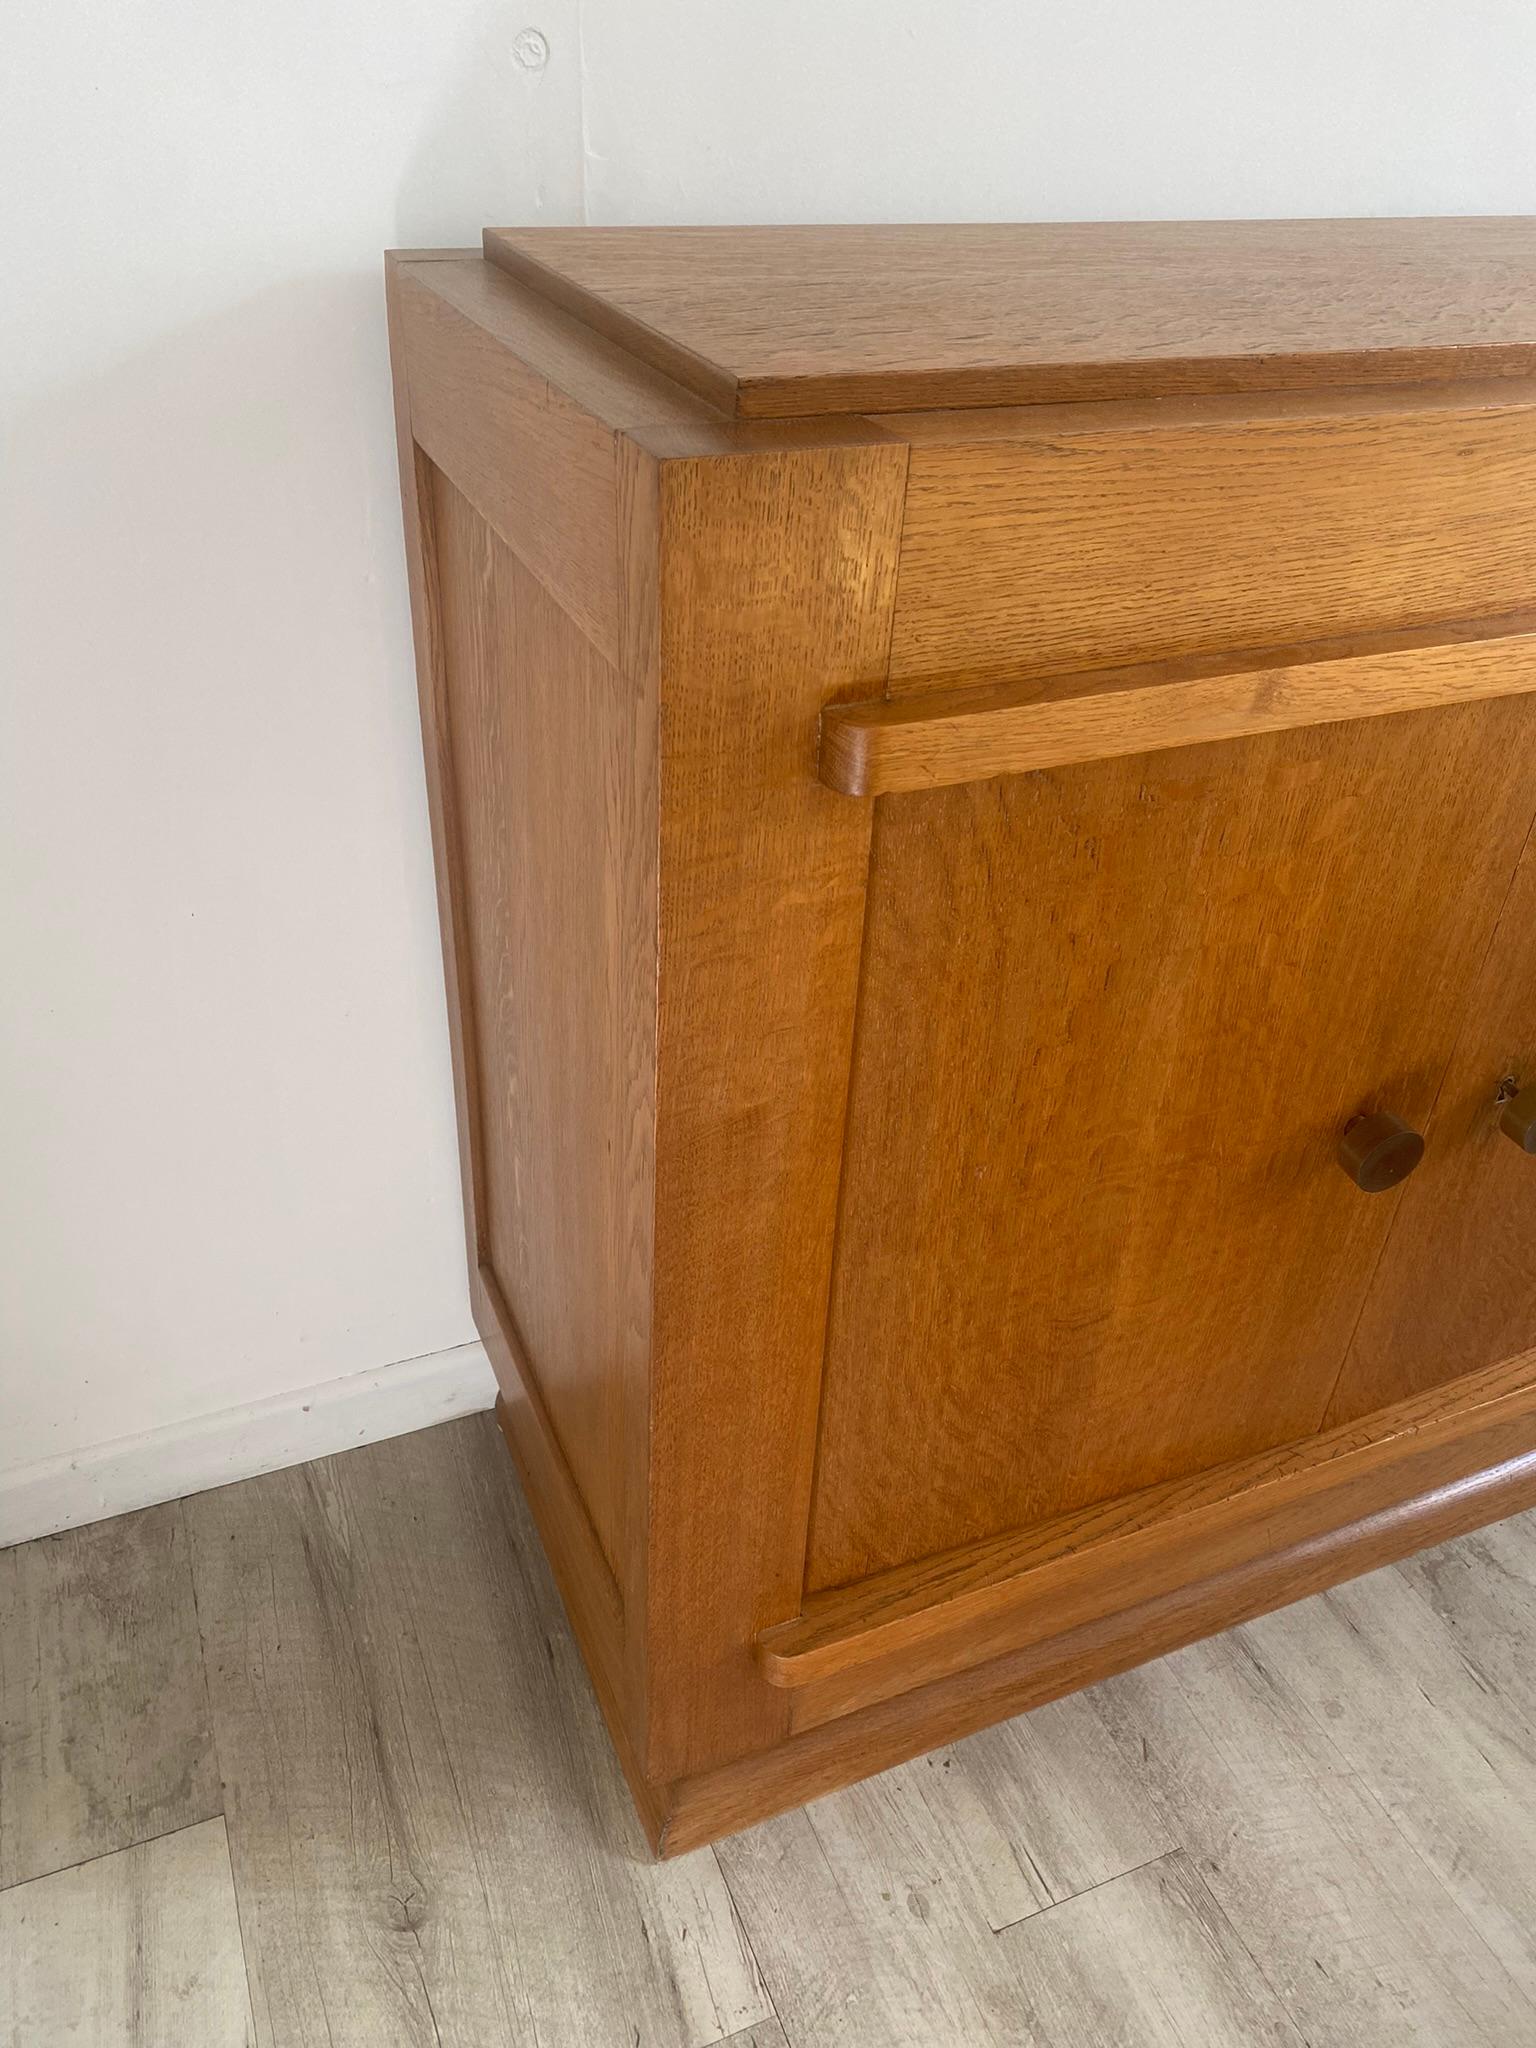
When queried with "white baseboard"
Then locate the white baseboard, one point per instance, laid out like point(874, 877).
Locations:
point(261, 1436)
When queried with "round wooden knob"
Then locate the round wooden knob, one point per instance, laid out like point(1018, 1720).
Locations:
point(1379, 1150)
point(1519, 1119)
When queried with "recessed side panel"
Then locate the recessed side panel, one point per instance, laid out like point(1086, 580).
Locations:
point(1114, 1018)
point(555, 874)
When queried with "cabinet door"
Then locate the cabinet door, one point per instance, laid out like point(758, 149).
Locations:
point(1113, 1020)
point(1456, 1288)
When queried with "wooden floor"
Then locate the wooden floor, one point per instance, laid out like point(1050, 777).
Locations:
point(311, 1760)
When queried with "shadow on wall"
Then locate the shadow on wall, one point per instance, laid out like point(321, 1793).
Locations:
point(230, 949)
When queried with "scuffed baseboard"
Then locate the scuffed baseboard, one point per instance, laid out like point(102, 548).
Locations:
point(261, 1436)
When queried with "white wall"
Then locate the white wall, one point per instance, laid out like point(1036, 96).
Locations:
point(226, 1130)
point(226, 1142)
point(1038, 110)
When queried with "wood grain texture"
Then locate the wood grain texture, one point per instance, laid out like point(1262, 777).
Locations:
point(1092, 539)
point(850, 1650)
point(1338, 1910)
point(845, 1745)
point(1132, 1545)
point(104, 1735)
point(1148, 1960)
point(552, 759)
point(1122, 1119)
point(883, 748)
point(1456, 1286)
point(431, 1840)
point(419, 534)
point(139, 1949)
point(1103, 1019)
point(539, 468)
point(793, 320)
point(606, 381)
point(777, 576)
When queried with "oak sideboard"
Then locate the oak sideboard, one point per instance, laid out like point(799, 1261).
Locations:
point(982, 782)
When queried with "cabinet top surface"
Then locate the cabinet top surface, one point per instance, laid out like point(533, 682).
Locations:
point(777, 321)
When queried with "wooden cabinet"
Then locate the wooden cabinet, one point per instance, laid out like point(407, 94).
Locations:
point(962, 763)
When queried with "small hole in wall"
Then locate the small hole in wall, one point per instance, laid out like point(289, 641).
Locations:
point(530, 46)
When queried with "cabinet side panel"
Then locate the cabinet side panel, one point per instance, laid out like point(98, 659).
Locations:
point(427, 637)
point(777, 577)
point(548, 746)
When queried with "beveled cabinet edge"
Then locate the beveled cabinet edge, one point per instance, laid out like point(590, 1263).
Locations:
point(928, 741)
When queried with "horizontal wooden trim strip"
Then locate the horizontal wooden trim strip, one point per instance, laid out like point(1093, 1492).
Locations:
point(912, 1625)
point(949, 736)
point(827, 1752)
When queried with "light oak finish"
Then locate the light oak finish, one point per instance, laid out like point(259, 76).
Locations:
point(1457, 1285)
point(1053, 539)
point(906, 1215)
point(104, 1733)
point(138, 1949)
point(785, 321)
point(777, 585)
point(1169, 981)
point(542, 738)
point(923, 1619)
point(836, 1740)
point(1316, 1825)
point(954, 736)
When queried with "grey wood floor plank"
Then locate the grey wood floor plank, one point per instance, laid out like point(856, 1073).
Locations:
point(104, 1736)
point(137, 1949)
point(870, 1912)
point(1482, 1590)
point(1073, 1809)
point(1147, 1960)
point(1446, 1751)
point(431, 1840)
point(1349, 1925)
point(767, 2034)
point(934, 1799)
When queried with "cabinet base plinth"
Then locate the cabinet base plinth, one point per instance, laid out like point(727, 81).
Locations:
point(696, 1810)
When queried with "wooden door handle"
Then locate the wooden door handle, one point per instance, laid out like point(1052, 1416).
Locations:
point(971, 734)
point(1518, 1120)
point(1379, 1150)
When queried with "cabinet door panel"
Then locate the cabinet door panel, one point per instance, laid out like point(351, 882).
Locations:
point(1456, 1289)
point(1113, 1019)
